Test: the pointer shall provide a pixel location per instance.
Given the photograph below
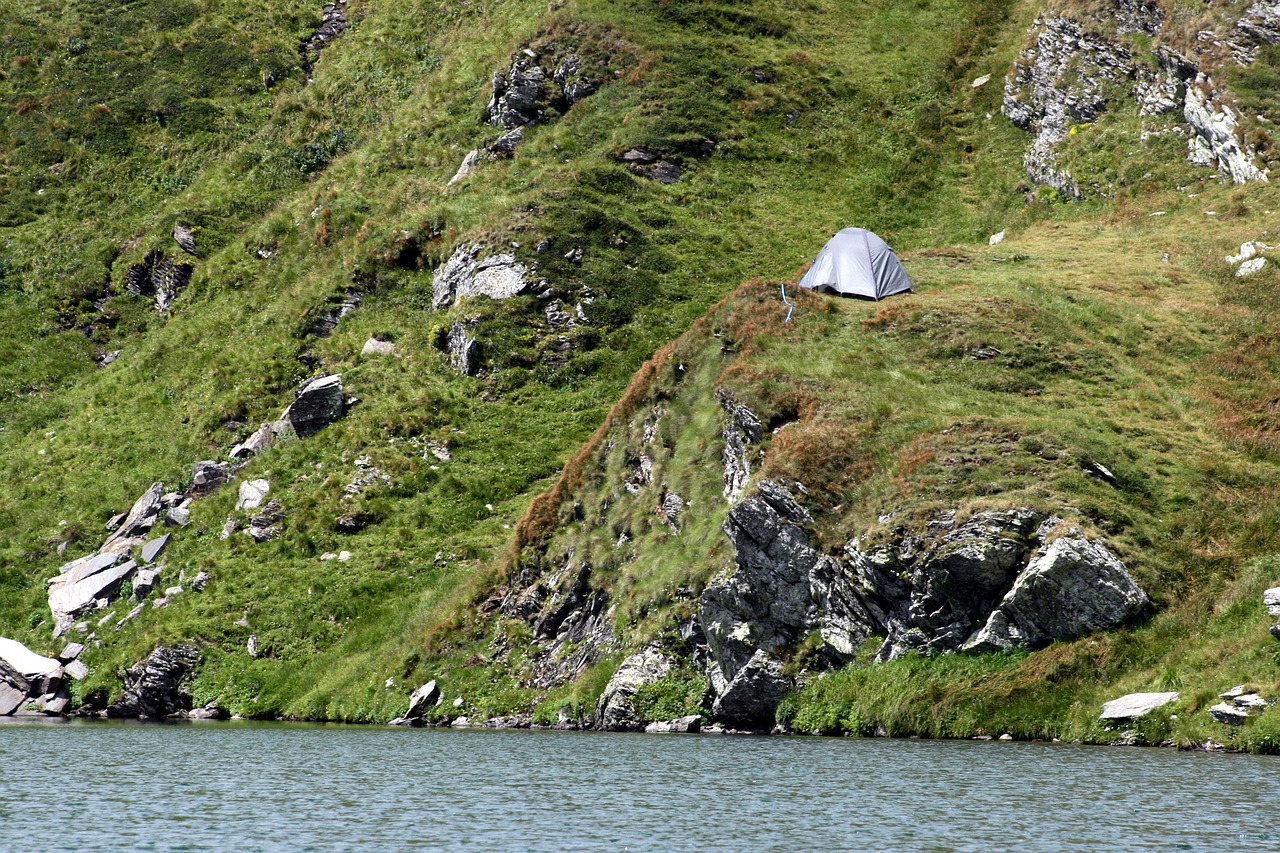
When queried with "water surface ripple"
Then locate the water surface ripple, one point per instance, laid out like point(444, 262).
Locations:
point(284, 787)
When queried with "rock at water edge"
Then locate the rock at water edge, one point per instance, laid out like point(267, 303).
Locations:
point(1134, 705)
point(614, 710)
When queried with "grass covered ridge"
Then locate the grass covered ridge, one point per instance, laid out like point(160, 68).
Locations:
point(788, 124)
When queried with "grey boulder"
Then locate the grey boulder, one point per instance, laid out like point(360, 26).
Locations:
point(420, 701)
point(750, 700)
point(615, 711)
point(1134, 705)
point(1074, 587)
point(319, 402)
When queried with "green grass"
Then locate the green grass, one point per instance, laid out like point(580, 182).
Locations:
point(788, 122)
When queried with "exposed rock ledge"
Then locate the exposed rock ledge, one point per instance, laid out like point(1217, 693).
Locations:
point(994, 581)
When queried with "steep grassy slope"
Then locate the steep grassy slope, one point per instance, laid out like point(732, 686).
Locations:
point(1010, 371)
point(788, 123)
point(302, 192)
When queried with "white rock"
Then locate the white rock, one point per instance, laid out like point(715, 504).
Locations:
point(343, 556)
point(996, 239)
point(1271, 598)
point(373, 346)
point(328, 555)
point(981, 81)
point(1247, 251)
point(1250, 267)
point(252, 494)
point(26, 662)
point(1134, 705)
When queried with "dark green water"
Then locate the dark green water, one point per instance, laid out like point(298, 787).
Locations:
point(281, 787)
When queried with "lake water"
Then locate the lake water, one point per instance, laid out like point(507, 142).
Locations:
point(98, 786)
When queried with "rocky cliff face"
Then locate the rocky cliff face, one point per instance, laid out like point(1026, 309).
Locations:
point(993, 580)
point(1073, 72)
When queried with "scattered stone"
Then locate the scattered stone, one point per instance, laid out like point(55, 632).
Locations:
point(996, 239)
point(1134, 705)
point(981, 81)
point(130, 616)
point(228, 527)
point(1247, 250)
point(1250, 267)
point(76, 670)
point(177, 517)
point(158, 686)
point(1005, 737)
point(185, 238)
point(265, 526)
point(373, 346)
point(80, 589)
point(141, 517)
point(108, 357)
point(1100, 471)
point(1229, 714)
point(328, 555)
point(1275, 631)
point(200, 581)
point(207, 476)
point(261, 439)
point(145, 582)
point(251, 647)
point(252, 494)
point(115, 521)
point(614, 710)
point(71, 652)
point(152, 549)
point(318, 403)
point(344, 556)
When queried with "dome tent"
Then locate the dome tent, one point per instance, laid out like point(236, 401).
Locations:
point(856, 262)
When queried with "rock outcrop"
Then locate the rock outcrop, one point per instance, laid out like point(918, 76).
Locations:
point(572, 621)
point(991, 582)
point(32, 682)
point(1071, 73)
point(159, 278)
point(1074, 587)
point(614, 710)
point(463, 350)
point(467, 274)
point(158, 686)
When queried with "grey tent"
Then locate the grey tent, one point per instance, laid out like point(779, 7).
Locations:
point(856, 262)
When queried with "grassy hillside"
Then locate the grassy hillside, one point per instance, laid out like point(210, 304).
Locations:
point(303, 186)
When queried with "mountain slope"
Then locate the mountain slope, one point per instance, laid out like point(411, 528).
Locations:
point(317, 177)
